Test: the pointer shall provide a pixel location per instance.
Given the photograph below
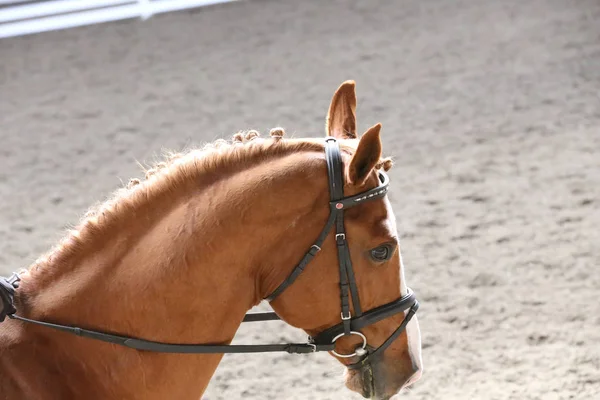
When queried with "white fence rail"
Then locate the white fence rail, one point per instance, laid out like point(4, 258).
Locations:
point(41, 16)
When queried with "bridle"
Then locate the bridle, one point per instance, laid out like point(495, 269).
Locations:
point(324, 341)
point(350, 325)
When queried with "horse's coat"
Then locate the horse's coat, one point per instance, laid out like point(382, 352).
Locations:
point(183, 255)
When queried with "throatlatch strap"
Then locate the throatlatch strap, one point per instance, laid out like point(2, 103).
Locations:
point(308, 256)
point(316, 247)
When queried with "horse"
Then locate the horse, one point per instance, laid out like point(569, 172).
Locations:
point(180, 257)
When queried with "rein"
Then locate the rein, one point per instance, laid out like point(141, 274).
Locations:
point(324, 341)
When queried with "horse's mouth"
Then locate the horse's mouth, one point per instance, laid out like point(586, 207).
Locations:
point(362, 381)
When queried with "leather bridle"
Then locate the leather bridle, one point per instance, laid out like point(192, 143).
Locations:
point(324, 341)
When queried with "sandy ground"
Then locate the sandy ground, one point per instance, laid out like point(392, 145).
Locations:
point(490, 108)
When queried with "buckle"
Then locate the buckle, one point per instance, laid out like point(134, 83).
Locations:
point(347, 317)
point(14, 280)
point(300, 348)
point(314, 249)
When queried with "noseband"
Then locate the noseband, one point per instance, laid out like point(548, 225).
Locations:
point(324, 341)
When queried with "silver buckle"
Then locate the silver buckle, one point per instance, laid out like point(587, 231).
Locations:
point(342, 235)
point(314, 347)
point(14, 280)
point(346, 318)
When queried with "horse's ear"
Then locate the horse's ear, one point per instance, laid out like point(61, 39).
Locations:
point(341, 118)
point(367, 155)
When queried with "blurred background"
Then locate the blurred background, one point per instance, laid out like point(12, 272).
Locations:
point(490, 109)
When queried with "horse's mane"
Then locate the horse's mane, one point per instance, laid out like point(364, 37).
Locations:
point(176, 169)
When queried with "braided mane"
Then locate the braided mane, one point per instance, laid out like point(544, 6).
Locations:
point(178, 168)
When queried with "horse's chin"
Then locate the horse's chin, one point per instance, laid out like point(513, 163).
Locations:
point(364, 381)
point(361, 381)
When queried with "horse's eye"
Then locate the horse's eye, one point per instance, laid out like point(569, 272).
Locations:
point(381, 253)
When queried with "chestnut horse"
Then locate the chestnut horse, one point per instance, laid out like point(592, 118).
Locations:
point(182, 256)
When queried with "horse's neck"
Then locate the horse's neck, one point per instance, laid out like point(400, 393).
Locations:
point(182, 271)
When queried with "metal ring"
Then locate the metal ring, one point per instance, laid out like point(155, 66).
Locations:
point(363, 347)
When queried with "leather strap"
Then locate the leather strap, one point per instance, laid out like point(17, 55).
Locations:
point(261, 316)
point(379, 351)
point(347, 281)
point(372, 194)
point(141, 344)
point(308, 256)
point(370, 317)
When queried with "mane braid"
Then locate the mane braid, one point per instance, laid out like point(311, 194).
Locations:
point(175, 170)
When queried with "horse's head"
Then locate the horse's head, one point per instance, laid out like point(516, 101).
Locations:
point(313, 301)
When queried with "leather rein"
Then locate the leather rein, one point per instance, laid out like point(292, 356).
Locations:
point(324, 341)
